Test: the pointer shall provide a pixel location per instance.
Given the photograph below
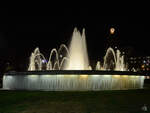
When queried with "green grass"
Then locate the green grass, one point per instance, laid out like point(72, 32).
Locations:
point(74, 102)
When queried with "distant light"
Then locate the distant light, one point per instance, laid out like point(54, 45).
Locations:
point(143, 66)
point(116, 76)
point(44, 61)
point(131, 58)
point(61, 56)
point(83, 76)
point(112, 30)
point(147, 64)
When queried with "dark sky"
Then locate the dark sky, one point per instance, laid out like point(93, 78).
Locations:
point(20, 36)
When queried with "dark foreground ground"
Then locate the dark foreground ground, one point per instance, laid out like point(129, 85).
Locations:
point(129, 101)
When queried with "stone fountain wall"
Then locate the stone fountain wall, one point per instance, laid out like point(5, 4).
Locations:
point(72, 82)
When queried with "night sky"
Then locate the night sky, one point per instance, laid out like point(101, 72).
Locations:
point(20, 36)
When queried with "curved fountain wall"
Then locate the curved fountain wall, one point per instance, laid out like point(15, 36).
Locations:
point(65, 81)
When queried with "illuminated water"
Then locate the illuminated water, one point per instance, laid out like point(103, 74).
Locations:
point(74, 58)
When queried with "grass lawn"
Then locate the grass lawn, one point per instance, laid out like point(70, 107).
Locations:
point(74, 102)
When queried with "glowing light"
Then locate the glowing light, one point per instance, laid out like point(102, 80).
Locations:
point(83, 76)
point(147, 64)
point(107, 75)
point(44, 61)
point(112, 30)
point(117, 76)
point(143, 66)
point(61, 56)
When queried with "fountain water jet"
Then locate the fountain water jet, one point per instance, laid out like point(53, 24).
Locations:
point(78, 56)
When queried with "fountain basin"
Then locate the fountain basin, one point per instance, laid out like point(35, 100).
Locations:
point(73, 80)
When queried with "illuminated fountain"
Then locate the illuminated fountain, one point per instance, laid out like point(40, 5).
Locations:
point(72, 71)
point(76, 58)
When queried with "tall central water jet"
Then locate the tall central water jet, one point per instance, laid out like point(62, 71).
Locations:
point(78, 57)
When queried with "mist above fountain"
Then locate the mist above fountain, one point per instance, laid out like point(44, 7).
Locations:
point(76, 57)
